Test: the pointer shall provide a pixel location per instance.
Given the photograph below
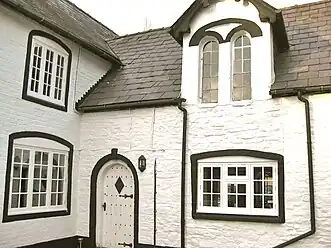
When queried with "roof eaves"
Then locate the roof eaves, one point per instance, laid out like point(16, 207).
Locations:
point(100, 52)
point(131, 105)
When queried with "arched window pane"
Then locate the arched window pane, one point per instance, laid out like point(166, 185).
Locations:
point(241, 79)
point(210, 72)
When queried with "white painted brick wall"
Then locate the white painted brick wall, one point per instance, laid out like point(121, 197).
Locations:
point(19, 115)
point(154, 133)
point(276, 125)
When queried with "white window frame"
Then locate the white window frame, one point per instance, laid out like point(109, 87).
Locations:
point(249, 163)
point(202, 44)
point(46, 43)
point(39, 145)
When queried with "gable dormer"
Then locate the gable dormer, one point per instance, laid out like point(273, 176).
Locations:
point(228, 50)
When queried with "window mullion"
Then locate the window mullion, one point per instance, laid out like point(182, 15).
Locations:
point(65, 186)
point(53, 75)
point(49, 180)
point(30, 180)
point(42, 70)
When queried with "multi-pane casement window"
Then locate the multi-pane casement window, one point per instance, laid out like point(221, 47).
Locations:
point(245, 188)
point(238, 187)
point(47, 71)
point(38, 176)
point(241, 68)
point(39, 179)
point(209, 72)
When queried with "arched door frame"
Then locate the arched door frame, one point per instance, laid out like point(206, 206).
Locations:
point(94, 191)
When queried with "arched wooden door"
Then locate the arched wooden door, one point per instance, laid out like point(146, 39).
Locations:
point(114, 203)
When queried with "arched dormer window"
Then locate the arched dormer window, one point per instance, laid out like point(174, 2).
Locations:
point(241, 67)
point(47, 71)
point(209, 71)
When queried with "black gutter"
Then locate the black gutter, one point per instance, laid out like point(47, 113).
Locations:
point(182, 199)
point(131, 105)
point(311, 178)
point(93, 48)
point(319, 89)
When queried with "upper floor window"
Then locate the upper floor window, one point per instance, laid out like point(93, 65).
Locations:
point(241, 68)
point(209, 72)
point(47, 71)
point(38, 176)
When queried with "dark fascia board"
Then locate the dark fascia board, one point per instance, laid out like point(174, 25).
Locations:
point(286, 92)
point(131, 105)
point(89, 46)
point(267, 13)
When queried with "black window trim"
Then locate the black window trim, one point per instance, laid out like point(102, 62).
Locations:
point(233, 217)
point(29, 134)
point(25, 94)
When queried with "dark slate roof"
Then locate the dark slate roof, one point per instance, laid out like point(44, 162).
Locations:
point(152, 71)
point(67, 19)
point(152, 59)
point(307, 63)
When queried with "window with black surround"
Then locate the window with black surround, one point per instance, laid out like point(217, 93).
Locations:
point(38, 176)
point(238, 185)
point(47, 71)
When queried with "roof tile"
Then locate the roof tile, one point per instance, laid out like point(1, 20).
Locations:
point(152, 69)
point(67, 17)
point(307, 62)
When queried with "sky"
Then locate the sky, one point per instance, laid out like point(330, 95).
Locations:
point(129, 16)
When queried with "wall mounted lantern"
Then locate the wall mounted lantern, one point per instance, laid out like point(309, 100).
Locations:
point(142, 163)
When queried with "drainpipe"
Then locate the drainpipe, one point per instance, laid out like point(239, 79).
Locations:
point(311, 178)
point(154, 237)
point(182, 200)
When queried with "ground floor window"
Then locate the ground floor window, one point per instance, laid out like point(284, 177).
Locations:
point(239, 184)
point(38, 179)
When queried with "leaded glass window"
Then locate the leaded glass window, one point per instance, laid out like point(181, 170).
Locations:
point(210, 53)
point(241, 78)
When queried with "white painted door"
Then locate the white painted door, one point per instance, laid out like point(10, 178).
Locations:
point(118, 208)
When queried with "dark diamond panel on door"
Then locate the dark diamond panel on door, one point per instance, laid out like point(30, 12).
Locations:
point(119, 185)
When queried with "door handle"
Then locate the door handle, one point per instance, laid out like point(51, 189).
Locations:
point(127, 196)
point(125, 244)
point(104, 205)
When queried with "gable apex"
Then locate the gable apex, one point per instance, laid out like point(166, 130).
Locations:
point(267, 13)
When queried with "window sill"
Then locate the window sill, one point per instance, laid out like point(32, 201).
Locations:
point(44, 103)
point(242, 103)
point(29, 216)
point(236, 217)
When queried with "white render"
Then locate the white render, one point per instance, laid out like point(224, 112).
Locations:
point(155, 133)
point(262, 51)
point(18, 115)
point(275, 125)
point(264, 124)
